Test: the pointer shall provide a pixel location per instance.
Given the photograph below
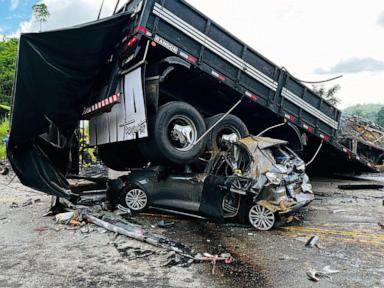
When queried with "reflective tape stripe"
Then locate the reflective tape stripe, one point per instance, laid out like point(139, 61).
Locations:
point(309, 108)
point(213, 46)
point(103, 103)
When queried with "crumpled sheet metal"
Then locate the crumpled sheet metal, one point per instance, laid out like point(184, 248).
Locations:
point(283, 206)
point(261, 142)
point(260, 163)
point(362, 130)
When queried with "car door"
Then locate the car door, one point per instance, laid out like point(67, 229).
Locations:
point(180, 191)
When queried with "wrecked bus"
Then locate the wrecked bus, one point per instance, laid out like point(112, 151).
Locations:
point(158, 82)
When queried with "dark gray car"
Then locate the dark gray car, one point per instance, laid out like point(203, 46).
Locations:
point(256, 179)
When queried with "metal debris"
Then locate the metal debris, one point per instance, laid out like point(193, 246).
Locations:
point(132, 253)
point(137, 233)
point(14, 205)
point(165, 224)
point(315, 276)
point(65, 218)
point(27, 203)
point(361, 187)
point(123, 210)
point(312, 242)
point(339, 211)
point(328, 270)
point(312, 275)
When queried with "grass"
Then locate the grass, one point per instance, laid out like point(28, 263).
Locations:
point(4, 127)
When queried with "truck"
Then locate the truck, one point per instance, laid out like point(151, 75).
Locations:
point(158, 82)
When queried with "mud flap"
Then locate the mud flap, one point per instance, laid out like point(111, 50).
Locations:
point(127, 120)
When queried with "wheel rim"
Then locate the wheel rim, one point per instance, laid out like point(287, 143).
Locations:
point(226, 131)
point(261, 218)
point(182, 133)
point(136, 199)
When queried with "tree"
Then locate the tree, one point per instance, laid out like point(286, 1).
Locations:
point(40, 13)
point(328, 94)
point(380, 117)
point(8, 50)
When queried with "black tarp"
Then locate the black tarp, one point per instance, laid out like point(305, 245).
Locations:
point(55, 73)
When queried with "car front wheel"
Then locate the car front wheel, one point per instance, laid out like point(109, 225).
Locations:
point(261, 218)
point(134, 198)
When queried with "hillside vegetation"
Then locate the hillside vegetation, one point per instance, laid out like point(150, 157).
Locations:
point(369, 111)
point(8, 49)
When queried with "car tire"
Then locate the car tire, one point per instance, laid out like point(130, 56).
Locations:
point(229, 125)
point(134, 198)
point(163, 146)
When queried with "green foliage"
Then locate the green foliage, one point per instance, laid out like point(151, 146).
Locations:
point(40, 13)
point(369, 111)
point(328, 94)
point(380, 117)
point(4, 128)
point(8, 50)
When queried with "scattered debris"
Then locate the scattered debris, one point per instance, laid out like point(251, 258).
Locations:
point(27, 203)
point(312, 242)
point(327, 270)
point(338, 211)
point(165, 224)
point(4, 171)
point(175, 259)
point(361, 187)
point(286, 257)
point(315, 276)
point(132, 253)
point(311, 273)
point(226, 257)
point(123, 210)
point(3, 218)
point(14, 205)
point(65, 218)
point(123, 227)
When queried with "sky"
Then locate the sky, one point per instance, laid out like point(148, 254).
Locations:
point(315, 40)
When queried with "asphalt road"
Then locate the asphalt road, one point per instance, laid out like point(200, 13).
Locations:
point(37, 252)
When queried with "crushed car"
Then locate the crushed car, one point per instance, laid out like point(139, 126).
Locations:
point(256, 179)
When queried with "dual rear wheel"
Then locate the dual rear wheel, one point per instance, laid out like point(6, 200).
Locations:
point(176, 129)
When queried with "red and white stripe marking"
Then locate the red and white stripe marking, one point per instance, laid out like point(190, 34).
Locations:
point(102, 104)
point(324, 137)
point(143, 30)
point(218, 75)
point(308, 128)
point(290, 118)
point(191, 59)
point(251, 96)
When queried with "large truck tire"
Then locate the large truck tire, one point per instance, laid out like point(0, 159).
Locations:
point(231, 124)
point(121, 156)
point(173, 132)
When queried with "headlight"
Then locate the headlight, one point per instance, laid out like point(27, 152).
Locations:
point(274, 178)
